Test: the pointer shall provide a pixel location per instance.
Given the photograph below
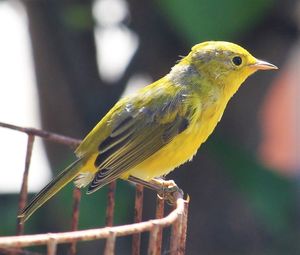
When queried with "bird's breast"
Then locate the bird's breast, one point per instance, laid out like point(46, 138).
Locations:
point(182, 148)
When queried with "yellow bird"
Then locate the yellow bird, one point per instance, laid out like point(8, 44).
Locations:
point(148, 134)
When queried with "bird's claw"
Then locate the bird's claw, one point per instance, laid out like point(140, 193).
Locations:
point(169, 191)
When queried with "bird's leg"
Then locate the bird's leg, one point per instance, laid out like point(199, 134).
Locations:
point(166, 189)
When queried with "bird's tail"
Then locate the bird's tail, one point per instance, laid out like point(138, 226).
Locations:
point(67, 175)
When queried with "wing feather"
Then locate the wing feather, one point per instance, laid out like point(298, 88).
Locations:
point(137, 134)
point(122, 157)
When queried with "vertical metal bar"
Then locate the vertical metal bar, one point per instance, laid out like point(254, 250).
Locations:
point(160, 206)
point(138, 211)
point(182, 242)
point(110, 244)
point(175, 236)
point(75, 217)
point(109, 221)
point(153, 240)
point(52, 247)
point(24, 188)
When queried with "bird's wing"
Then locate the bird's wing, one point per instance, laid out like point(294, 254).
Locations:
point(136, 135)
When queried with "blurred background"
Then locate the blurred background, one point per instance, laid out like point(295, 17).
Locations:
point(63, 65)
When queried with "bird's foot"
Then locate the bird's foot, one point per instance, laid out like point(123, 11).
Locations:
point(168, 190)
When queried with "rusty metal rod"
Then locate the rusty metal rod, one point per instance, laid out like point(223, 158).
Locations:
point(71, 142)
point(51, 246)
point(24, 187)
point(138, 213)
point(109, 221)
point(175, 235)
point(18, 251)
point(75, 217)
point(93, 234)
point(182, 242)
point(110, 244)
point(160, 206)
point(153, 240)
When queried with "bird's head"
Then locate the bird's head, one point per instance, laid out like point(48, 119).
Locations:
point(225, 63)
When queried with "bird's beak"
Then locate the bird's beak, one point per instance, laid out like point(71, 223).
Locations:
point(263, 65)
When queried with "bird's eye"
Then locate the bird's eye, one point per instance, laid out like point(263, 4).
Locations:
point(237, 60)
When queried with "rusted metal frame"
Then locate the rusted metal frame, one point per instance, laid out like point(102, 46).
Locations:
point(178, 228)
point(24, 187)
point(75, 217)
point(32, 132)
point(178, 232)
point(153, 240)
point(110, 204)
point(18, 251)
point(138, 213)
point(71, 142)
point(93, 234)
point(51, 246)
point(175, 235)
point(182, 242)
point(160, 206)
point(109, 221)
point(110, 244)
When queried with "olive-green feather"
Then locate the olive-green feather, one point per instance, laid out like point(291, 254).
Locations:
point(67, 175)
point(136, 135)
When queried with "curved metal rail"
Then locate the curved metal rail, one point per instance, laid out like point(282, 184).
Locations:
point(177, 219)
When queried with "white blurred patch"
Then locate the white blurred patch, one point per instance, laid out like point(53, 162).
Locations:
point(115, 48)
point(18, 102)
point(136, 82)
point(110, 12)
point(115, 43)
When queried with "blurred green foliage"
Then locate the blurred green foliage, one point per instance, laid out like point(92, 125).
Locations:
point(93, 208)
point(271, 196)
point(201, 20)
point(78, 16)
point(9, 204)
